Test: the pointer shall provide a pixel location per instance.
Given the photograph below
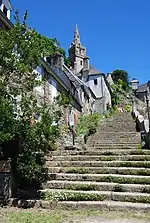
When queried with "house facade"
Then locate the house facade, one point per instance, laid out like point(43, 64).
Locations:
point(59, 79)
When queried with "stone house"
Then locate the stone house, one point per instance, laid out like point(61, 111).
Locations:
point(59, 79)
point(94, 79)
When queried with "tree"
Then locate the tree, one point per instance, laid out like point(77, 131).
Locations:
point(120, 77)
point(21, 49)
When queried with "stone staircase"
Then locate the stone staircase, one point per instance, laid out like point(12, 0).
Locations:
point(112, 173)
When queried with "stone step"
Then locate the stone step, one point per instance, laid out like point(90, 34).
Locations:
point(95, 152)
point(79, 205)
point(121, 135)
point(117, 135)
point(116, 178)
point(63, 195)
point(101, 170)
point(116, 163)
point(100, 158)
point(97, 186)
point(114, 141)
point(117, 127)
point(113, 145)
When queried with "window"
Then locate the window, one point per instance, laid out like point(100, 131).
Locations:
point(5, 10)
point(0, 2)
point(81, 63)
point(73, 90)
point(95, 82)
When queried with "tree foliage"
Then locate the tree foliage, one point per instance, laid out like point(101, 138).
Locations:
point(21, 50)
point(88, 124)
point(120, 77)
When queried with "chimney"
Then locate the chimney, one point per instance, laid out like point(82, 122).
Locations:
point(148, 86)
point(56, 60)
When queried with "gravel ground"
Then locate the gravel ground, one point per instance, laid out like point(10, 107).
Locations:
point(15, 215)
point(102, 220)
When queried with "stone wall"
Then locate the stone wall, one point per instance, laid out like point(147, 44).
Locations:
point(99, 105)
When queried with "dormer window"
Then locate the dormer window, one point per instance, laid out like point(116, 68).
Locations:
point(5, 10)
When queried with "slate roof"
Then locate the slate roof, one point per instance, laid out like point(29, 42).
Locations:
point(75, 80)
point(71, 76)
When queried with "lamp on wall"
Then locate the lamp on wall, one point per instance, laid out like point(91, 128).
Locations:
point(134, 84)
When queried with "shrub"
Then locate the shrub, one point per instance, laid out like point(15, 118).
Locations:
point(21, 48)
point(127, 108)
point(88, 124)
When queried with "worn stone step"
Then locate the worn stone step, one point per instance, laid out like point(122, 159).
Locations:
point(121, 133)
point(115, 136)
point(95, 152)
point(116, 163)
point(78, 205)
point(102, 137)
point(118, 128)
point(110, 143)
point(113, 146)
point(97, 186)
point(63, 195)
point(100, 158)
point(101, 170)
point(116, 178)
point(115, 140)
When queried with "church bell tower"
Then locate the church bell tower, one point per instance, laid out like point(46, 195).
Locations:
point(77, 53)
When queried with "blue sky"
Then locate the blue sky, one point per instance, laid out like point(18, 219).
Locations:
point(116, 33)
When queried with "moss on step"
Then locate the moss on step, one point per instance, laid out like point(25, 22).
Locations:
point(144, 164)
point(134, 164)
point(137, 199)
point(83, 170)
point(72, 196)
point(84, 187)
point(124, 180)
point(146, 190)
point(80, 170)
point(118, 188)
point(140, 152)
point(82, 196)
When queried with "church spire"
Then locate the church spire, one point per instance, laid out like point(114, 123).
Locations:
point(76, 40)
